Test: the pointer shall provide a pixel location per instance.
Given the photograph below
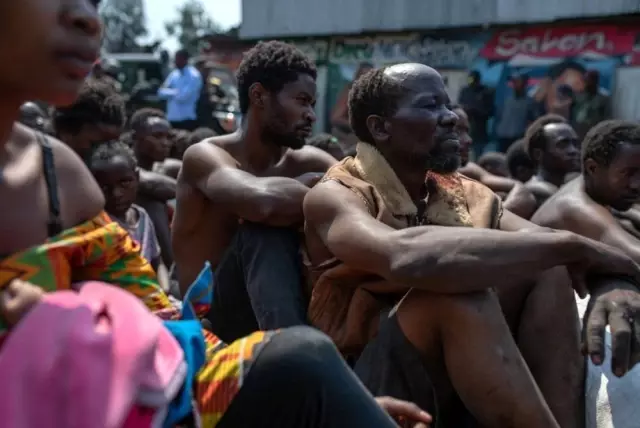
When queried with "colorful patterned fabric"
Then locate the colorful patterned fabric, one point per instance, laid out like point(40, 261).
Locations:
point(224, 372)
point(226, 366)
point(101, 250)
point(97, 250)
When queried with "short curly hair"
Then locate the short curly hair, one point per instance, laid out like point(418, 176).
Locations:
point(273, 64)
point(111, 149)
point(490, 159)
point(139, 118)
point(602, 141)
point(97, 102)
point(372, 93)
point(535, 137)
point(517, 156)
point(200, 134)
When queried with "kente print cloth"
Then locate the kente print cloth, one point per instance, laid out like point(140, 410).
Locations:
point(96, 250)
point(101, 250)
point(226, 366)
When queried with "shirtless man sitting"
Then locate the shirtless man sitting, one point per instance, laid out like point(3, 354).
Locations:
point(610, 181)
point(554, 147)
point(239, 199)
point(518, 199)
point(374, 241)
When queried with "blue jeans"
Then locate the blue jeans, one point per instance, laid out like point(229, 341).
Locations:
point(258, 283)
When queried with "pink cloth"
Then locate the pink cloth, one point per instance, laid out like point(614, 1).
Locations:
point(87, 359)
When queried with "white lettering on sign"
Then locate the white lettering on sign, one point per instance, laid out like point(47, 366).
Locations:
point(511, 43)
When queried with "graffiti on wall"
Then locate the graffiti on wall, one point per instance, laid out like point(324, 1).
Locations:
point(436, 51)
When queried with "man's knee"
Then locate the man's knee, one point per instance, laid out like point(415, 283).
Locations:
point(302, 352)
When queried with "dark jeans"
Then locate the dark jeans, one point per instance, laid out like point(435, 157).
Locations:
point(258, 284)
point(299, 380)
point(187, 125)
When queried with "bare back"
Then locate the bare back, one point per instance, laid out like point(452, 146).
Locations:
point(203, 227)
point(24, 189)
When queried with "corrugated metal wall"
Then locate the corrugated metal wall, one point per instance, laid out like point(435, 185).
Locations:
point(288, 18)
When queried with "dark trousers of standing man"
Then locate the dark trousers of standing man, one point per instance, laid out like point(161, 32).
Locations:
point(258, 284)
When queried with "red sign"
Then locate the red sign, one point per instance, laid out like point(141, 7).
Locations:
point(560, 42)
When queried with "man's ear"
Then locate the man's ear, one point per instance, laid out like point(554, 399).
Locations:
point(378, 127)
point(258, 95)
point(590, 167)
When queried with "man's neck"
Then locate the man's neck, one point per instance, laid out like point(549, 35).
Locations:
point(590, 191)
point(554, 177)
point(144, 162)
point(413, 178)
point(259, 153)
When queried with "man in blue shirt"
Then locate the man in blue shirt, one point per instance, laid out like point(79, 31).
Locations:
point(182, 90)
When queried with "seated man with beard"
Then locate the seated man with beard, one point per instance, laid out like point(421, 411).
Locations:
point(471, 169)
point(553, 146)
point(517, 199)
point(239, 198)
point(408, 275)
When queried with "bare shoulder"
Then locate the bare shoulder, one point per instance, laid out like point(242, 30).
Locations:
point(203, 158)
point(472, 170)
point(469, 179)
point(85, 199)
point(310, 159)
point(570, 209)
point(540, 189)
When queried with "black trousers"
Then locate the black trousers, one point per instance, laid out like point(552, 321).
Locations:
point(258, 284)
point(299, 380)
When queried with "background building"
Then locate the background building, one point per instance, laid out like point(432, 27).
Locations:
point(552, 41)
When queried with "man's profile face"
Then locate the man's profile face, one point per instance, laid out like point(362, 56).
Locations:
point(563, 148)
point(57, 39)
point(618, 185)
point(289, 114)
point(422, 130)
point(462, 128)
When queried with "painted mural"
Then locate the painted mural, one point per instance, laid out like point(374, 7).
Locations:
point(556, 56)
point(550, 56)
point(348, 57)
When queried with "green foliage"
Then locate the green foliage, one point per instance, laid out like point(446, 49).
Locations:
point(191, 23)
point(124, 25)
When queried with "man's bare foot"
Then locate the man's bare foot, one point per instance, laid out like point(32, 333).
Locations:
point(17, 299)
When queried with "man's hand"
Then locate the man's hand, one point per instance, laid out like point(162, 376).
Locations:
point(617, 303)
point(404, 413)
point(598, 258)
point(17, 299)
